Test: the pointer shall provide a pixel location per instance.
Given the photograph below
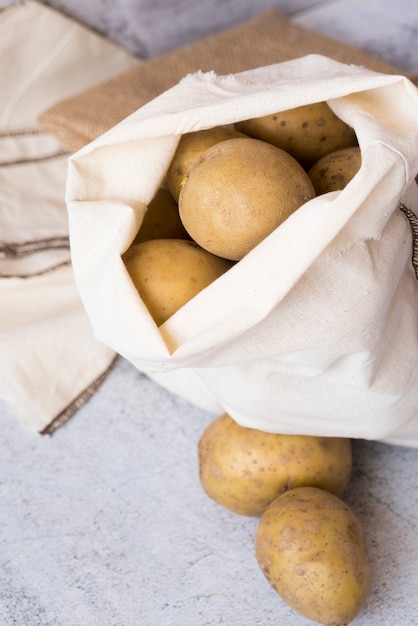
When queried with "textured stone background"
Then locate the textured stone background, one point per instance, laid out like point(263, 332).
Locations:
point(151, 27)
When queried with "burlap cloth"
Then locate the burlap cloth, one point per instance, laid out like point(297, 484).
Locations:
point(268, 38)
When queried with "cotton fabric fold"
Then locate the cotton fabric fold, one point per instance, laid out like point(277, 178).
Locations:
point(50, 362)
point(315, 330)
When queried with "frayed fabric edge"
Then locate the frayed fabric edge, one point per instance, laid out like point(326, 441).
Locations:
point(66, 414)
point(209, 76)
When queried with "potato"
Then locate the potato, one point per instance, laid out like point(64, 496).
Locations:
point(238, 193)
point(189, 149)
point(244, 469)
point(162, 219)
point(335, 170)
point(310, 546)
point(307, 132)
point(169, 272)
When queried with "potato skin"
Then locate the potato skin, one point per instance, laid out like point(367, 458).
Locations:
point(238, 193)
point(244, 469)
point(169, 272)
point(311, 548)
point(335, 170)
point(189, 149)
point(307, 132)
point(162, 219)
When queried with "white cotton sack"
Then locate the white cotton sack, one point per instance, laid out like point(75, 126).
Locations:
point(315, 331)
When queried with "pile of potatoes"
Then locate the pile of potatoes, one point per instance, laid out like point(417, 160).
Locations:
point(309, 544)
point(226, 189)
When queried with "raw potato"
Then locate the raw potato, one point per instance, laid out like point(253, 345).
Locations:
point(169, 272)
point(307, 132)
point(238, 193)
point(162, 219)
point(189, 149)
point(311, 548)
point(335, 170)
point(244, 469)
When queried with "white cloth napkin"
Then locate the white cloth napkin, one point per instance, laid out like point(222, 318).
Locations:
point(50, 363)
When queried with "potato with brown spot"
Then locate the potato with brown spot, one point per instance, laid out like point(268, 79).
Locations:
point(244, 469)
point(307, 132)
point(311, 548)
point(189, 149)
point(335, 170)
point(169, 272)
point(162, 219)
point(238, 193)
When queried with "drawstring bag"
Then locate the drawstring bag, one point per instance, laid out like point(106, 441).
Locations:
point(315, 330)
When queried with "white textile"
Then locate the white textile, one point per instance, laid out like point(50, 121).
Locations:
point(49, 360)
point(315, 331)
